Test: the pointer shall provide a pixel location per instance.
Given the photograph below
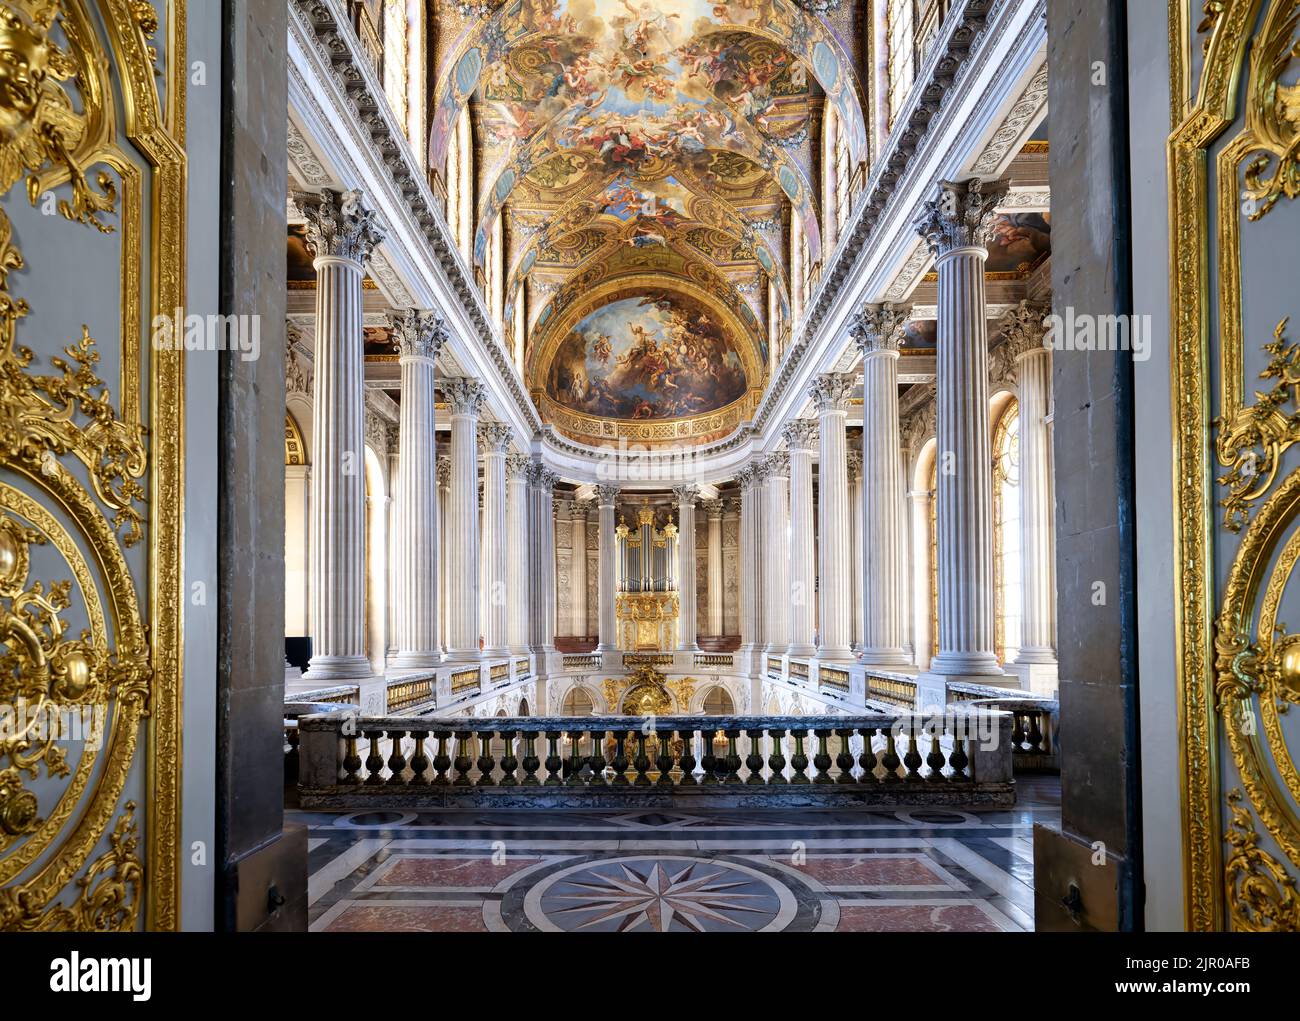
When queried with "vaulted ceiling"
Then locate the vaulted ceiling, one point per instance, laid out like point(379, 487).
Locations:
point(642, 164)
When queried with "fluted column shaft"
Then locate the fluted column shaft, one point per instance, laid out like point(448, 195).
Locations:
point(541, 558)
point(922, 639)
point(713, 509)
point(1037, 510)
point(420, 335)
point(687, 594)
point(494, 437)
point(517, 552)
point(606, 582)
point(774, 553)
point(750, 571)
point(444, 508)
point(341, 234)
point(856, 513)
point(578, 571)
point(956, 226)
point(801, 438)
point(465, 397)
point(830, 394)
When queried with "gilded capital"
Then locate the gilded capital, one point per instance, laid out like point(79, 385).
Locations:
point(465, 395)
point(339, 225)
point(879, 327)
point(831, 391)
point(419, 334)
point(1025, 327)
point(801, 434)
point(960, 215)
point(494, 437)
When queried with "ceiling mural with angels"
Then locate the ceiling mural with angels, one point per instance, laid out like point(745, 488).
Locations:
point(620, 136)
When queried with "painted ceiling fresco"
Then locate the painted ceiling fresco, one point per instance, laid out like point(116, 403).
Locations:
point(618, 136)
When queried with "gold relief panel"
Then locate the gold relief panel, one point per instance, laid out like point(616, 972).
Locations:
point(1238, 665)
point(91, 468)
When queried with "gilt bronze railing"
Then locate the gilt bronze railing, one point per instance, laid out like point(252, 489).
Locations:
point(961, 757)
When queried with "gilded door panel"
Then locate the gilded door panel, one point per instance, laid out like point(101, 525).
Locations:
point(1235, 243)
point(92, 188)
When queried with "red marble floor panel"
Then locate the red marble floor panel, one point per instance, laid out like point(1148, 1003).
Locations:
point(914, 918)
point(867, 870)
point(442, 871)
point(408, 918)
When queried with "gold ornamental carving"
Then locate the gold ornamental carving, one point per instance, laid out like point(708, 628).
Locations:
point(647, 692)
point(1261, 895)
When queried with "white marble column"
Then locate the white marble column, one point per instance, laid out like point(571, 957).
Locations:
point(341, 234)
point(517, 552)
point(578, 569)
point(1024, 331)
point(774, 553)
point(606, 582)
point(956, 226)
point(564, 516)
point(688, 595)
point(713, 514)
point(420, 335)
point(541, 560)
point(466, 397)
point(855, 531)
point(922, 641)
point(801, 440)
point(830, 394)
point(444, 504)
point(750, 568)
point(878, 331)
point(494, 439)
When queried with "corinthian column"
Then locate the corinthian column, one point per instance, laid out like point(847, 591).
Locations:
point(956, 226)
point(855, 530)
point(517, 552)
point(420, 335)
point(774, 552)
point(541, 560)
point(801, 439)
point(466, 397)
point(1024, 331)
point(878, 330)
point(578, 569)
point(494, 438)
point(749, 568)
point(341, 234)
point(830, 395)
point(606, 497)
point(686, 628)
point(444, 508)
point(713, 512)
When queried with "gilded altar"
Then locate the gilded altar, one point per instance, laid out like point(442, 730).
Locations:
point(647, 621)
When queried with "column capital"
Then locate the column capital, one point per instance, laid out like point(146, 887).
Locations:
point(338, 225)
point(686, 493)
point(801, 434)
point(831, 391)
point(1025, 328)
point(444, 471)
point(854, 464)
point(465, 395)
point(419, 333)
point(606, 495)
point(517, 466)
point(581, 508)
point(494, 437)
point(541, 476)
point(960, 215)
point(879, 327)
point(776, 465)
point(712, 508)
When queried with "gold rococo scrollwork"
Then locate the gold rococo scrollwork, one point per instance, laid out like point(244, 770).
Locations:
point(1261, 895)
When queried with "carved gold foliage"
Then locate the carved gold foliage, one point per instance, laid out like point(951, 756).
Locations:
point(1252, 440)
point(40, 127)
point(1273, 112)
point(1261, 895)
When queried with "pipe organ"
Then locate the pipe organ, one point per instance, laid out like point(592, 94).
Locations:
point(646, 605)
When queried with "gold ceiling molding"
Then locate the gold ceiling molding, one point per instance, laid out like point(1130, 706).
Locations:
point(1230, 671)
point(60, 132)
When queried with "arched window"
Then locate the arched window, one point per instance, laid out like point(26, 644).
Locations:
point(1006, 532)
point(577, 703)
point(717, 702)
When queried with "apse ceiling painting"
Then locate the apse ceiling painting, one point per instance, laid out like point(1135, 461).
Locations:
point(618, 137)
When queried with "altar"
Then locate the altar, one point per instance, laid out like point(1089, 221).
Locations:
point(647, 621)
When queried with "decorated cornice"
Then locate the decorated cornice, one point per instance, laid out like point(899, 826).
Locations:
point(801, 434)
point(494, 437)
point(831, 391)
point(419, 334)
point(339, 225)
point(328, 28)
point(465, 395)
point(879, 327)
point(960, 215)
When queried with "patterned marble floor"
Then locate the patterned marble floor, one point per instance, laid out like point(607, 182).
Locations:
point(724, 871)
